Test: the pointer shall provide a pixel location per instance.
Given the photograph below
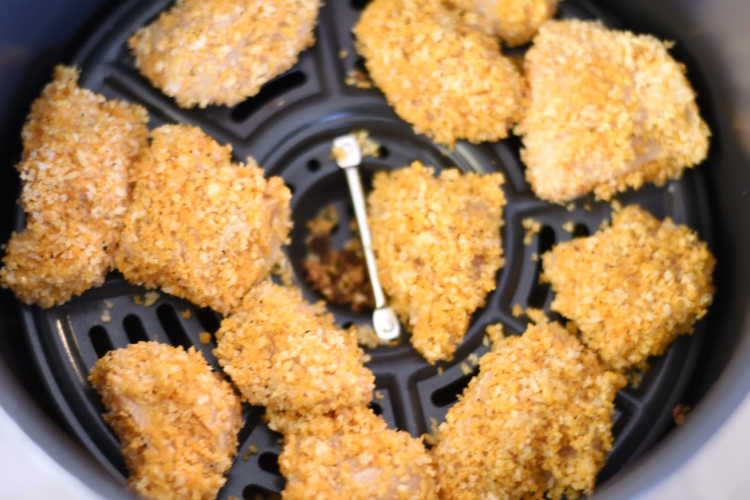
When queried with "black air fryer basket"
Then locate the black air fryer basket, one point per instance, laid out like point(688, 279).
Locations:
point(288, 129)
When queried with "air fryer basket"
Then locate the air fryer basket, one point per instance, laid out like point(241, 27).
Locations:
point(288, 128)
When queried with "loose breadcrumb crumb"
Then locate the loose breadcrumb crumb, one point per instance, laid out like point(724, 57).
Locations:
point(205, 337)
point(287, 355)
point(535, 421)
point(176, 419)
point(251, 450)
point(77, 149)
point(532, 227)
point(632, 287)
point(494, 335)
point(568, 226)
point(680, 413)
point(438, 247)
point(358, 78)
point(199, 226)
point(607, 110)
point(106, 317)
point(150, 298)
point(187, 314)
point(536, 315)
point(515, 21)
point(205, 52)
point(517, 310)
point(449, 80)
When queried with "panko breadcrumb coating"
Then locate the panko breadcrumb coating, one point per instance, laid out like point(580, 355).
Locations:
point(515, 21)
point(199, 226)
point(438, 247)
point(352, 454)
point(449, 80)
point(205, 52)
point(78, 147)
point(176, 419)
point(607, 110)
point(632, 287)
point(288, 355)
point(536, 420)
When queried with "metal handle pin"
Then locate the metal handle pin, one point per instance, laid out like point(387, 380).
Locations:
point(348, 156)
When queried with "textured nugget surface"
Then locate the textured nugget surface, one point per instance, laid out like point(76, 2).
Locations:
point(77, 149)
point(352, 454)
point(288, 355)
point(176, 419)
point(632, 287)
point(205, 52)
point(438, 247)
point(447, 79)
point(607, 110)
point(515, 21)
point(199, 226)
point(535, 421)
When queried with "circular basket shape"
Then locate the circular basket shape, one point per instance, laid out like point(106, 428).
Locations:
point(288, 128)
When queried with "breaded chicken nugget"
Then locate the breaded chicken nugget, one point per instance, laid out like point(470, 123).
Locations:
point(176, 419)
point(607, 110)
point(449, 80)
point(77, 148)
point(536, 421)
point(288, 355)
point(515, 21)
point(199, 226)
point(205, 52)
point(632, 287)
point(352, 454)
point(438, 247)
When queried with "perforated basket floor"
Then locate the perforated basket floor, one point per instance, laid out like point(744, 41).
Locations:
point(288, 128)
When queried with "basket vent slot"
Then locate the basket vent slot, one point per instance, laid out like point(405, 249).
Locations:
point(134, 329)
point(269, 462)
point(172, 326)
point(448, 394)
point(539, 291)
point(100, 340)
point(208, 319)
point(268, 93)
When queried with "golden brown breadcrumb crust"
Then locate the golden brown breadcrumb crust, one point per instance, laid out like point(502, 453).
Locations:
point(205, 52)
point(607, 110)
point(288, 355)
point(447, 79)
point(176, 419)
point(352, 454)
point(632, 287)
point(515, 21)
point(536, 420)
point(78, 147)
point(199, 226)
point(438, 247)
